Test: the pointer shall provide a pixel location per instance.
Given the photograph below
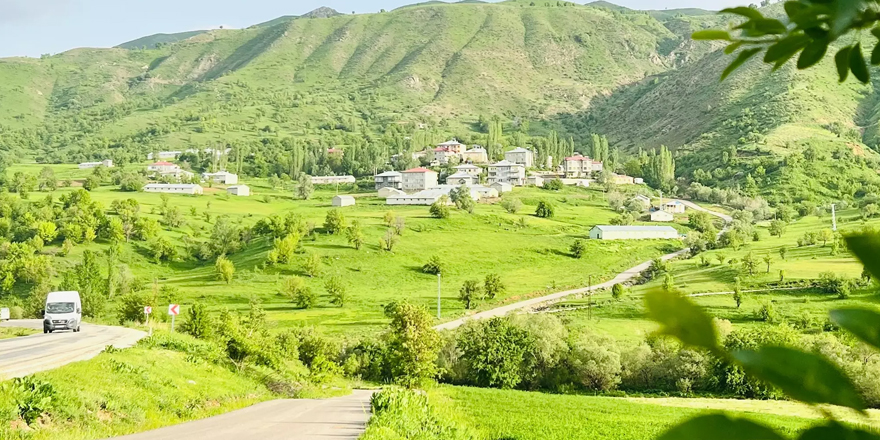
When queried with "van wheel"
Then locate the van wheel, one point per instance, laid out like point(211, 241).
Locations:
point(77, 329)
point(45, 330)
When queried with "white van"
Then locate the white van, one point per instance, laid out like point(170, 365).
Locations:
point(63, 312)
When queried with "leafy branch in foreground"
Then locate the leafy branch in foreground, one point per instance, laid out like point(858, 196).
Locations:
point(810, 27)
point(800, 375)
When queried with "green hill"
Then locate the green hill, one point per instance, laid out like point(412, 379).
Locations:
point(151, 41)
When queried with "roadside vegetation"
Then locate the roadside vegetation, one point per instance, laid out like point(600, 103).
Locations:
point(14, 332)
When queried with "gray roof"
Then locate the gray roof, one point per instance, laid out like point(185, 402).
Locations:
point(636, 228)
point(389, 174)
point(461, 175)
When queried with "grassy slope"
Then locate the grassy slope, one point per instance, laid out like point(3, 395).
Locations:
point(530, 261)
point(518, 414)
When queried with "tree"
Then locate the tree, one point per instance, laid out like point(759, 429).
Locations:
point(617, 291)
point(737, 292)
point(334, 222)
point(668, 282)
point(495, 352)
point(493, 286)
point(284, 249)
point(826, 235)
point(545, 209)
point(312, 265)
point(336, 290)
point(578, 248)
point(296, 289)
point(777, 228)
point(553, 185)
point(440, 208)
point(173, 218)
point(304, 187)
point(388, 242)
point(783, 251)
point(469, 293)
point(48, 181)
point(355, 235)
point(660, 172)
point(198, 322)
point(413, 344)
point(462, 199)
point(768, 260)
point(225, 269)
point(389, 218)
point(434, 266)
point(749, 263)
point(91, 183)
point(512, 206)
point(399, 225)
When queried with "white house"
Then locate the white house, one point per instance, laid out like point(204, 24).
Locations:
point(221, 177)
point(173, 188)
point(604, 232)
point(388, 192)
point(477, 154)
point(662, 216)
point(454, 147)
point(239, 190)
point(583, 183)
point(163, 167)
point(332, 180)
point(165, 155)
point(580, 166)
point(341, 201)
point(621, 179)
point(473, 170)
point(104, 163)
point(486, 192)
point(535, 180)
point(645, 200)
point(520, 156)
point(501, 187)
point(674, 207)
point(507, 172)
point(388, 179)
point(428, 196)
point(418, 179)
point(460, 178)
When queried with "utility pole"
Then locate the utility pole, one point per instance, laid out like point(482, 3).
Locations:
point(438, 295)
point(834, 217)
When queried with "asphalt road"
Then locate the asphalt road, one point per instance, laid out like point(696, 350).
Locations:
point(341, 418)
point(622, 277)
point(26, 355)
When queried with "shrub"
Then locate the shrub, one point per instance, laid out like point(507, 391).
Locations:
point(198, 322)
point(617, 291)
point(469, 293)
point(334, 222)
point(595, 362)
point(494, 351)
point(545, 209)
point(578, 249)
point(225, 269)
point(336, 290)
point(553, 185)
point(440, 209)
point(304, 297)
point(493, 286)
point(512, 206)
point(767, 313)
point(434, 266)
point(312, 265)
point(131, 307)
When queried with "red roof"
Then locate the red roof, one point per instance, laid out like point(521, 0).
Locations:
point(162, 164)
point(441, 149)
point(419, 170)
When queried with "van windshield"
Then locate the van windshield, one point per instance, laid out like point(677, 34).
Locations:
point(66, 307)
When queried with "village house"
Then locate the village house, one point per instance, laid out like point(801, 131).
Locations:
point(460, 178)
point(486, 192)
point(221, 177)
point(388, 192)
point(662, 216)
point(239, 190)
point(604, 232)
point(429, 196)
point(535, 180)
point(477, 154)
point(501, 187)
point(332, 180)
point(163, 167)
point(418, 179)
point(507, 172)
point(674, 207)
point(174, 188)
point(107, 163)
point(620, 179)
point(645, 200)
point(165, 155)
point(341, 201)
point(580, 166)
point(454, 147)
point(473, 170)
point(520, 156)
point(388, 179)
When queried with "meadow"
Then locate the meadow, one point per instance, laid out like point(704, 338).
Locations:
point(531, 260)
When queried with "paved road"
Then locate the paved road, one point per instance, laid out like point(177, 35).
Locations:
point(342, 418)
point(623, 277)
point(26, 355)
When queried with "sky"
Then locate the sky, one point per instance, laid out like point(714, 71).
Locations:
point(35, 27)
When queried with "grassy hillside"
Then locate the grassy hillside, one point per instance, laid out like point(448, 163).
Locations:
point(152, 41)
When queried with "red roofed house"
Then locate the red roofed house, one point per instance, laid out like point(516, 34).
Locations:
point(418, 179)
point(580, 166)
point(453, 147)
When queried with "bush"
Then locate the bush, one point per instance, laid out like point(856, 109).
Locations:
point(512, 206)
point(440, 209)
point(32, 397)
point(334, 222)
point(545, 209)
point(767, 313)
point(336, 290)
point(198, 322)
point(553, 185)
point(493, 286)
point(578, 249)
point(404, 414)
point(304, 297)
point(595, 362)
point(434, 266)
point(617, 291)
point(131, 307)
point(495, 351)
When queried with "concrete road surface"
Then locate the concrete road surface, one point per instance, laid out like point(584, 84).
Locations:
point(26, 355)
point(341, 418)
point(622, 277)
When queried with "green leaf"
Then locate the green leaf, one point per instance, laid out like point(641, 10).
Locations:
point(720, 427)
point(812, 54)
point(841, 60)
point(785, 48)
point(744, 11)
point(803, 376)
point(845, 12)
point(863, 323)
point(857, 64)
point(876, 32)
point(681, 318)
point(768, 26)
point(742, 58)
point(732, 47)
point(875, 55)
point(793, 8)
point(711, 34)
point(836, 431)
point(866, 247)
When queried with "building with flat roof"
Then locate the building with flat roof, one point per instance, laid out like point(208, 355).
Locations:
point(428, 196)
point(673, 207)
point(221, 177)
point(388, 179)
point(507, 172)
point(104, 163)
point(239, 190)
point(418, 179)
point(174, 188)
point(332, 180)
point(607, 232)
point(520, 156)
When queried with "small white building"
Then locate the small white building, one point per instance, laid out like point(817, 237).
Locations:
point(507, 172)
point(674, 207)
point(163, 167)
point(166, 155)
point(174, 188)
point(332, 180)
point(583, 183)
point(221, 177)
point(662, 216)
point(604, 232)
point(461, 178)
point(428, 196)
point(239, 190)
point(107, 163)
point(645, 200)
point(486, 192)
point(388, 179)
point(520, 156)
point(473, 170)
point(341, 201)
point(535, 180)
point(477, 154)
point(621, 179)
point(388, 192)
point(418, 179)
point(501, 187)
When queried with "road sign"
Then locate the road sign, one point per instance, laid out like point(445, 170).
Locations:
point(148, 310)
point(174, 309)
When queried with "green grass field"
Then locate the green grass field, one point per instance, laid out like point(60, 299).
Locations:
point(531, 261)
point(507, 414)
point(14, 332)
